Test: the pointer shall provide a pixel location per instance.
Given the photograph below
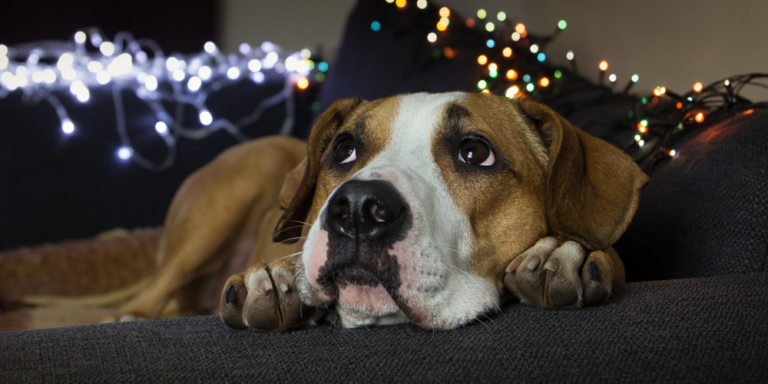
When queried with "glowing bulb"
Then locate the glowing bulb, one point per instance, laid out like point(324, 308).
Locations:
point(233, 73)
point(485, 91)
point(541, 56)
point(448, 52)
point(421, 4)
point(527, 78)
point(444, 12)
point(107, 48)
point(562, 24)
point(37, 77)
point(95, 66)
point(210, 47)
point(612, 78)
point(84, 95)
point(96, 39)
point(124, 153)
point(544, 82)
point(697, 87)
point(375, 26)
point(699, 117)
point(507, 52)
point(641, 143)
point(511, 74)
point(80, 37)
point(161, 128)
point(635, 78)
point(179, 75)
point(727, 82)
point(194, 83)
point(482, 59)
point(67, 126)
point(470, 22)
point(205, 71)
point(534, 48)
point(3, 50)
point(322, 67)
point(103, 77)
point(659, 91)
point(603, 65)
point(558, 74)
point(569, 55)
point(442, 25)
point(490, 43)
point(68, 74)
point(493, 74)
point(270, 60)
point(482, 84)
point(679, 105)
point(489, 26)
point(172, 63)
point(267, 46)
point(493, 67)
point(515, 36)
point(76, 87)
point(390, 1)
point(530, 87)
point(481, 14)
point(205, 117)
point(673, 152)
point(244, 48)
point(501, 16)
point(400, 3)
point(432, 37)
point(65, 61)
point(520, 28)
point(49, 76)
point(150, 83)
point(302, 83)
point(644, 122)
point(3, 61)
point(641, 128)
point(512, 91)
point(257, 77)
point(638, 137)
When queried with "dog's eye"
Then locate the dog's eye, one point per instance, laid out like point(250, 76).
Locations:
point(475, 152)
point(345, 151)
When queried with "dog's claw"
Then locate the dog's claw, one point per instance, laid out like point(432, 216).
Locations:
point(231, 295)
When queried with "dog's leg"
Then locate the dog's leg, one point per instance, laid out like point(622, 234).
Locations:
point(553, 273)
point(265, 297)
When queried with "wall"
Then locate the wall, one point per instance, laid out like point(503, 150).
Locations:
point(670, 43)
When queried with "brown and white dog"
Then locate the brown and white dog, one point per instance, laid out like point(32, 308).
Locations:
point(428, 208)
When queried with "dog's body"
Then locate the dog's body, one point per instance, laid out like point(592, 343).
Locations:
point(429, 208)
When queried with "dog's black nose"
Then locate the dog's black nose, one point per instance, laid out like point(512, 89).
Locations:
point(368, 210)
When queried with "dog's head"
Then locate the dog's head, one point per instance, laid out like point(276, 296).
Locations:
point(417, 203)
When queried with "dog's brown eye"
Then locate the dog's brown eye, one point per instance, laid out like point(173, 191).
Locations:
point(345, 151)
point(476, 152)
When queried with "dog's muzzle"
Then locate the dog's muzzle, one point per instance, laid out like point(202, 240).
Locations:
point(364, 218)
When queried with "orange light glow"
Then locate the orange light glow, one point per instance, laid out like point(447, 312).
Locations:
point(659, 91)
point(544, 82)
point(493, 67)
point(679, 105)
point(511, 74)
point(448, 52)
point(482, 59)
point(520, 28)
point(400, 3)
point(699, 117)
point(603, 65)
point(749, 111)
point(441, 26)
point(641, 128)
point(697, 87)
point(470, 22)
point(445, 12)
point(302, 83)
point(485, 91)
point(507, 52)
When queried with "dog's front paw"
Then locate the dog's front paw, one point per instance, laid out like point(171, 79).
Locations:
point(264, 298)
point(559, 274)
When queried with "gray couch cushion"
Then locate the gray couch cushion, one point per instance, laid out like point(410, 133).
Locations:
point(698, 330)
point(705, 212)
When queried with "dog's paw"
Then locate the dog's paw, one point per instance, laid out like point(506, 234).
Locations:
point(264, 298)
point(559, 274)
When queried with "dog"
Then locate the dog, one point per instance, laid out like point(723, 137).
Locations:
point(433, 209)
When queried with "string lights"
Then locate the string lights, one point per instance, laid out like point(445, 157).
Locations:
point(659, 119)
point(48, 70)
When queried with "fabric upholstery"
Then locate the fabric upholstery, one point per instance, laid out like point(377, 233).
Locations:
point(697, 330)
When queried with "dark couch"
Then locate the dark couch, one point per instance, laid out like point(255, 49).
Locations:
point(695, 252)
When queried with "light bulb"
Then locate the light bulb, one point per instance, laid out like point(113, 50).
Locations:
point(107, 48)
point(172, 63)
point(205, 117)
point(80, 37)
point(244, 48)
point(67, 126)
point(161, 128)
point(124, 153)
point(150, 83)
point(194, 83)
point(210, 47)
point(103, 77)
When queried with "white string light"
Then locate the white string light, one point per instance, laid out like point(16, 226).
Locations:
point(141, 67)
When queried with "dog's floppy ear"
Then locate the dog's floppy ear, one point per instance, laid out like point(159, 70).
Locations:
point(299, 187)
point(592, 187)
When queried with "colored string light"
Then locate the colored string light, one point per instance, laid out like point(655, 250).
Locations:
point(482, 59)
